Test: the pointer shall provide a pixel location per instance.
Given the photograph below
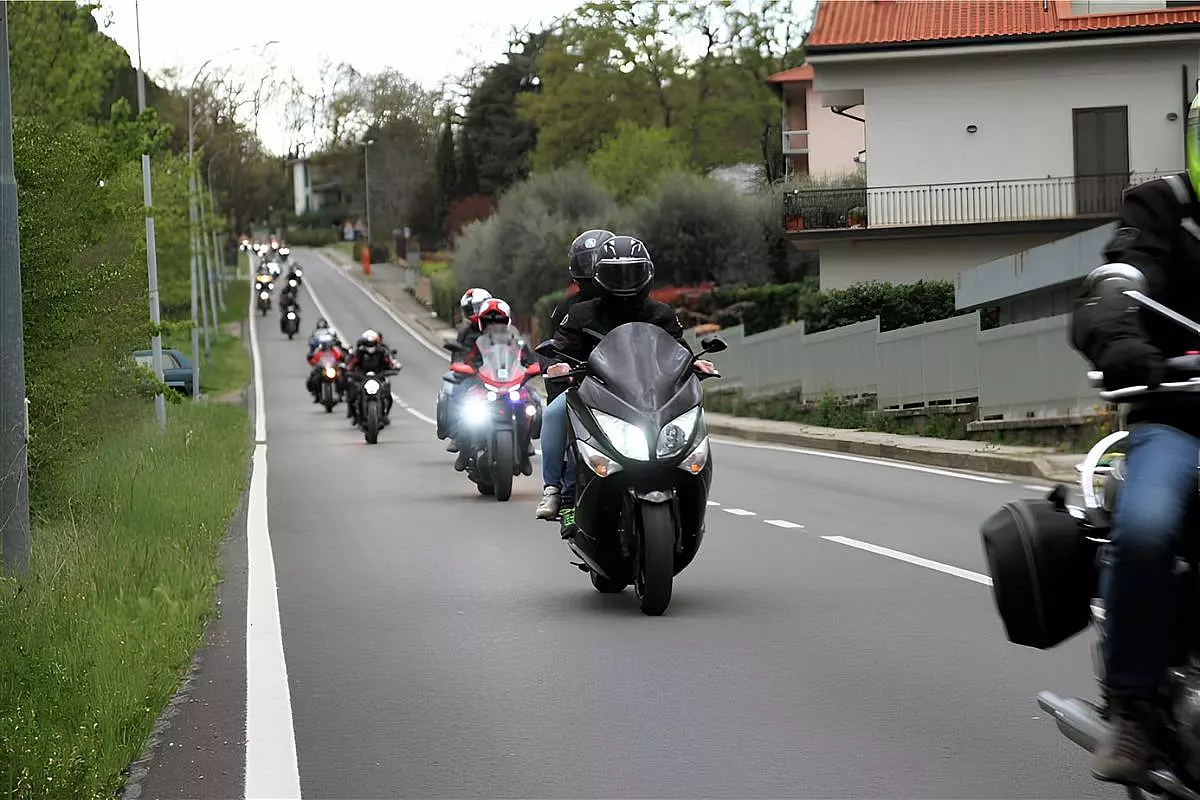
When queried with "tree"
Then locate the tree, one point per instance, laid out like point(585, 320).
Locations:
point(446, 170)
point(495, 135)
point(62, 66)
point(629, 162)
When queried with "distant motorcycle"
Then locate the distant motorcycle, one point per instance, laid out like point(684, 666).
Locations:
point(329, 387)
point(499, 413)
point(370, 403)
point(289, 320)
point(264, 300)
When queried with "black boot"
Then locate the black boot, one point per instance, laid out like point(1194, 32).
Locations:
point(1125, 754)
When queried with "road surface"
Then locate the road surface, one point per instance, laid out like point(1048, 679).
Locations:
point(832, 638)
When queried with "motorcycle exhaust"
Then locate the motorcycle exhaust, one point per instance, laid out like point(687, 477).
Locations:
point(1078, 719)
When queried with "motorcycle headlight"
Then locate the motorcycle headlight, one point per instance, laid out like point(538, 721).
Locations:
point(291, 315)
point(676, 433)
point(514, 395)
point(531, 410)
point(596, 461)
point(629, 440)
point(263, 295)
point(299, 273)
point(476, 412)
point(330, 372)
point(491, 395)
point(371, 386)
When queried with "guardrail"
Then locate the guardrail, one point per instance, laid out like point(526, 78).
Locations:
point(958, 203)
point(1012, 372)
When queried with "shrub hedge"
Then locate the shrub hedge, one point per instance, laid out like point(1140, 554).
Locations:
point(312, 237)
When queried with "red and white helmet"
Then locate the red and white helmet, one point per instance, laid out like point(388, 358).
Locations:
point(471, 301)
point(494, 312)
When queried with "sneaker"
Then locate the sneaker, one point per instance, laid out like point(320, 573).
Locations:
point(567, 527)
point(548, 507)
point(1125, 754)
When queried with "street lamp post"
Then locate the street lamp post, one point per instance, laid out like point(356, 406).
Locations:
point(212, 215)
point(367, 187)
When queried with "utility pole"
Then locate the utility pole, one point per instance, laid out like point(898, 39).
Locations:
point(160, 402)
point(202, 232)
point(217, 254)
point(14, 411)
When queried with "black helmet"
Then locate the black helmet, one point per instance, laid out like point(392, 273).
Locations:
point(322, 323)
point(583, 252)
point(623, 267)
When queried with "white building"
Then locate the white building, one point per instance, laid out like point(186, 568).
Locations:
point(304, 198)
point(995, 125)
point(817, 140)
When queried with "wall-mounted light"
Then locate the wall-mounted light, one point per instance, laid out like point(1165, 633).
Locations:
point(1172, 116)
point(972, 128)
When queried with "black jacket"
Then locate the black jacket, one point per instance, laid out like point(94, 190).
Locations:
point(602, 315)
point(467, 335)
point(1158, 231)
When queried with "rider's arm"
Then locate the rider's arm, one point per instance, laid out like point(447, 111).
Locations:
point(570, 340)
point(1108, 330)
point(665, 317)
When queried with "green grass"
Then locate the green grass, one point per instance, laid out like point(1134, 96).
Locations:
point(429, 268)
point(347, 249)
point(98, 639)
point(227, 369)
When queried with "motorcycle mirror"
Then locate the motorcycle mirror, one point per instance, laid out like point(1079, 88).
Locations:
point(462, 369)
point(533, 369)
point(713, 344)
point(547, 349)
point(1114, 278)
point(451, 346)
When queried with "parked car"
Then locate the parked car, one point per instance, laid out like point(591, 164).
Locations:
point(177, 369)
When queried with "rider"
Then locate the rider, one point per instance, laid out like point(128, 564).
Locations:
point(1156, 233)
point(323, 328)
point(370, 355)
point(493, 312)
point(326, 342)
point(623, 276)
point(581, 263)
point(470, 303)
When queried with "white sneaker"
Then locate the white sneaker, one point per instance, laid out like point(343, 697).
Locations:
point(548, 507)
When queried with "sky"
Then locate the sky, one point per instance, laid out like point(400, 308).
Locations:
point(426, 40)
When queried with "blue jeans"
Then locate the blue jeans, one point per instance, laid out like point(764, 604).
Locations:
point(554, 448)
point(1137, 585)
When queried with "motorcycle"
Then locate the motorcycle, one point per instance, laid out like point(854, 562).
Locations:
point(330, 381)
point(1049, 594)
point(498, 413)
point(370, 403)
point(635, 421)
point(264, 299)
point(289, 320)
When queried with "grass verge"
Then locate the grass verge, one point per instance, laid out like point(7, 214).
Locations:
point(227, 369)
point(98, 639)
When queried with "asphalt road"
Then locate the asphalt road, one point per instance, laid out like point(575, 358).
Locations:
point(439, 644)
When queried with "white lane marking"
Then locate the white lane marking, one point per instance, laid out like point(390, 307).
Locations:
point(782, 523)
point(862, 460)
point(394, 316)
point(272, 770)
point(938, 566)
point(1036, 488)
point(739, 512)
point(713, 503)
point(414, 412)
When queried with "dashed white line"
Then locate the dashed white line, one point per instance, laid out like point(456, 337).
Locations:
point(739, 512)
point(937, 566)
point(967, 476)
point(1037, 488)
point(713, 503)
point(272, 769)
point(782, 523)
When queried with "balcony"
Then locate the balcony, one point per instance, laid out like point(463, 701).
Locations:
point(795, 143)
point(1027, 200)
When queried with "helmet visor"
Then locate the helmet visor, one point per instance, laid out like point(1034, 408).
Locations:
point(624, 276)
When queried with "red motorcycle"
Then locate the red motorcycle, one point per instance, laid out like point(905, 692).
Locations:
point(501, 414)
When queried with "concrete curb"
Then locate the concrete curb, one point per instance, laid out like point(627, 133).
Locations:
point(993, 463)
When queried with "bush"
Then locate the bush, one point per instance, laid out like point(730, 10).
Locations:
point(444, 287)
point(761, 308)
point(312, 237)
point(896, 305)
point(465, 211)
point(380, 253)
point(630, 162)
point(543, 308)
point(699, 229)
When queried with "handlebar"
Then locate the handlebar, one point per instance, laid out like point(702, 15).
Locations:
point(1186, 370)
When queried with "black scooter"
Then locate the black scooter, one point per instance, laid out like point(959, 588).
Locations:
point(635, 420)
point(289, 317)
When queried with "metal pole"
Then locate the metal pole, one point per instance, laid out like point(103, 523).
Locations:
point(14, 411)
point(216, 251)
point(160, 402)
point(202, 232)
point(192, 216)
point(367, 179)
point(198, 257)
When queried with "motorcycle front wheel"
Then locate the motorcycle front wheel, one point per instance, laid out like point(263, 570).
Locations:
point(657, 568)
point(502, 465)
point(371, 424)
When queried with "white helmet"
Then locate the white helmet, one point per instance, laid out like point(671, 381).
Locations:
point(472, 300)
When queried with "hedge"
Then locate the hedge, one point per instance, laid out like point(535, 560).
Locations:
point(312, 237)
point(380, 253)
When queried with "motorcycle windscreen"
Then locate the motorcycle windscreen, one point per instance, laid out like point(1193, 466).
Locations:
point(500, 353)
point(642, 365)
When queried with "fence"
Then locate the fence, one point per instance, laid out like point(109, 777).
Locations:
point(1012, 372)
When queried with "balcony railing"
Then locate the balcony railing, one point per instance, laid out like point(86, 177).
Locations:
point(958, 203)
point(795, 142)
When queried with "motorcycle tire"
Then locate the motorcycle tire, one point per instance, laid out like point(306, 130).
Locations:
point(502, 465)
point(327, 397)
point(485, 489)
point(291, 336)
point(657, 568)
point(371, 424)
point(605, 585)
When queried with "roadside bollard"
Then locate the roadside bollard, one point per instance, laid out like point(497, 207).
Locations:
point(366, 260)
